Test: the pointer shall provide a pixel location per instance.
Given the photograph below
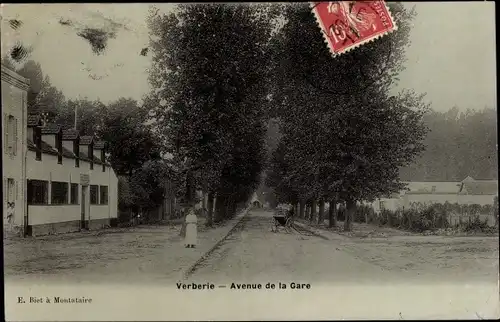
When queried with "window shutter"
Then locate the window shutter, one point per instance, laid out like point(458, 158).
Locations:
point(17, 191)
point(11, 190)
point(5, 191)
point(14, 147)
point(5, 132)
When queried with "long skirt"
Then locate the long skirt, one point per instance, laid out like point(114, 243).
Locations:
point(191, 234)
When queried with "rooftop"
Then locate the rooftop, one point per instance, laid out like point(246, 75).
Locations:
point(48, 149)
point(86, 139)
point(99, 145)
point(489, 187)
point(34, 120)
point(70, 134)
point(51, 129)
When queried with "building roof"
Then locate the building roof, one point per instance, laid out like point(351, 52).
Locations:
point(468, 179)
point(34, 120)
point(70, 134)
point(86, 139)
point(480, 187)
point(85, 156)
point(51, 129)
point(99, 145)
point(433, 187)
point(68, 154)
point(97, 160)
point(46, 148)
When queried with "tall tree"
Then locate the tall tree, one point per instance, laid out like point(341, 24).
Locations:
point(459, 144)
point(131, 142)
point(89, 115)
point(345, 135)
point(209, 80)
point(32, 71)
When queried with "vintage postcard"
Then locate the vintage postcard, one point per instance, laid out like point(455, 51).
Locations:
point(249, 161)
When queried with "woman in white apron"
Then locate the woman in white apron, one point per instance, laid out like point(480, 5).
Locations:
point(190, 240)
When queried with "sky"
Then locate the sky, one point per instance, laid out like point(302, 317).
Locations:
point(451, 56)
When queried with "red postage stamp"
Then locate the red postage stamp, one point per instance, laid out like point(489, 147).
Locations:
point(349, 24)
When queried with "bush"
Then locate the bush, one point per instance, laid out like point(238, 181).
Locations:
point(420, 217)
point(363, 213)
point(475, 225)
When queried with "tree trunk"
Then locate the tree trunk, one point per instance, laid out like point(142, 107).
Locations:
point(203, 200)
point(307, 212)
point(332, 214)
point(219, 209)
point(321, 214)
point(234, 207)
point(349, 215)
point(210, 210)
point(183, 227)
point(313, 210)
point(228, 208)
point(302, 206)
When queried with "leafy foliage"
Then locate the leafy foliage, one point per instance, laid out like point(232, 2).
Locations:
point(209, 94)
point(148, 184)
point(421, 218)
point(344, 136)
point(459, 144)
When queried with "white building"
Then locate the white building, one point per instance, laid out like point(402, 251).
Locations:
point(70, 186)
point(466, 192)
point(14, 114)
point(59, 180)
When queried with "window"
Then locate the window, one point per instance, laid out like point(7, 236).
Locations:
point(14, 136)
point(38, 192)
point(76, 151)
point(104, 195)
point(59, 193)
point(74, 194)
point(94, 194)
point(433, 189)
point(11, 190)
point(10, 133)
point(383, 205)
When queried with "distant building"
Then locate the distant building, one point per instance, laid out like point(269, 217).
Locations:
point(256, 202)
point(467, 191)
point(14, 118)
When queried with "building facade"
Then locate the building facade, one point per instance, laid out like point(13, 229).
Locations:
point(14, 115)
point(55, 180)
point(466, 192)
point(70, 186)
